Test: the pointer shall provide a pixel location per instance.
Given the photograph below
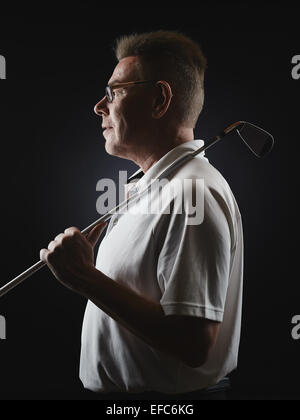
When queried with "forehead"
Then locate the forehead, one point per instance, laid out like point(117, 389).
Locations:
point(125, 71)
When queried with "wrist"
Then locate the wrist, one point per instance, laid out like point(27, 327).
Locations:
point(86, 277)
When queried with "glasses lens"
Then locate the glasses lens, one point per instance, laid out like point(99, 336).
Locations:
point(109, 94)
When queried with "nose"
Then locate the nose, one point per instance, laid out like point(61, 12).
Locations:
point(101, 107)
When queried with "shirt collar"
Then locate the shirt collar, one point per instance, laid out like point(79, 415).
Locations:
point(143, 179)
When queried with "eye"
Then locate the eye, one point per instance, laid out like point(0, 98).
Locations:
point(118, 92)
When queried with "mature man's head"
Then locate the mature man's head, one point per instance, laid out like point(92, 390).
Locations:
point(175, 58)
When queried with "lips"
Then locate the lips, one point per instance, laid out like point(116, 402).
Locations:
point(105, 125)
point(105, 128)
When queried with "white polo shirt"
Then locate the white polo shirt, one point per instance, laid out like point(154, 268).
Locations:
point(190, 269)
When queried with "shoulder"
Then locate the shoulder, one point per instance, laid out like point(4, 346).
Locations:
point(199, 172)
point(202, 187)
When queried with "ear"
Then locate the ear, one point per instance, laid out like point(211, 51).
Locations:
point(162, 100)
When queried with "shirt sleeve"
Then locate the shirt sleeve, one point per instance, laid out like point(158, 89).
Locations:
point(194, 262)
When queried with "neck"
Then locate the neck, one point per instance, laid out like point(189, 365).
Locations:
point(162, 146)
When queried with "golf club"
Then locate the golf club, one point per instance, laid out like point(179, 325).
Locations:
point(259, 141)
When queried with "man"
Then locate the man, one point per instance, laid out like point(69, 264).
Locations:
point(164, 308)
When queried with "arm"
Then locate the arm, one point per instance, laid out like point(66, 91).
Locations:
point(187, 338)
point(70, 258)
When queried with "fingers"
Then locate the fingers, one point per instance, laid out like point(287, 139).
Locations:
point(71, 231)
point(44, 255)
point(72, 241)
point(58, 242)
point(52, 245)
point(59, 237)
point(95, 233)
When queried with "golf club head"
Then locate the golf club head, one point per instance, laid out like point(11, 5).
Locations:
point(259, 141)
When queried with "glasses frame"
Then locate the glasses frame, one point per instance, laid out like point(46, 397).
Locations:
point(109, 93)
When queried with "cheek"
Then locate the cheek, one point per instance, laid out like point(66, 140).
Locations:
point(122, 122)
point(120, 126)
point(129, 119)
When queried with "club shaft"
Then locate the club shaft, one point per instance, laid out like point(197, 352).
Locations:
point(20, 278)
point(37, 266)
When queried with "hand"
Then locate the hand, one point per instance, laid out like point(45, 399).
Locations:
point(70, 256)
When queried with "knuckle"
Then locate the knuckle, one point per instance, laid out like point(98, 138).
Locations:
point(43, 253)
point(76, 234)
point(52, 245)
point(59, 237)
point(71, 229)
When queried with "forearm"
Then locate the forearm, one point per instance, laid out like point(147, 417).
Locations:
point(139, 315)
point(70, 258)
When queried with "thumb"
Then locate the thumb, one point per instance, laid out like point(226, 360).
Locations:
point(95, 233)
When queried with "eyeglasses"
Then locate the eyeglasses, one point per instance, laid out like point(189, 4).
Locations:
point(109, 90)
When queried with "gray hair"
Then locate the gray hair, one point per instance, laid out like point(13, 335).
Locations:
point(174, 57)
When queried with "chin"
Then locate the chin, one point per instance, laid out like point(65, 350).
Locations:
point(112, 148)
point(109, 148)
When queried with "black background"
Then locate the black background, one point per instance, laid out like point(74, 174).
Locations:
point(52, 155)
